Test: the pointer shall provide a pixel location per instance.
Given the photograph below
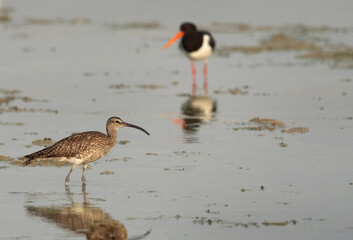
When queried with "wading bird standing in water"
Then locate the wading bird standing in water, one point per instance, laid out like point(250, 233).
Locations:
point(197, 45)
point(82, 148)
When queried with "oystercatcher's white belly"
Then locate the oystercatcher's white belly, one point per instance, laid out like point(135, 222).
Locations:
point(204, 52)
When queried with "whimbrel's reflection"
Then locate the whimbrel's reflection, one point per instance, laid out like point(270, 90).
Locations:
point(76, 217)
point(82, 218)
point(196, 110)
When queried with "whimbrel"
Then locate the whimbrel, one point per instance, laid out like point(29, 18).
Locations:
point(82, 148)
point(197, 45)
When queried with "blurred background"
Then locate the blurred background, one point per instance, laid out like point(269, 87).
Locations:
point(265, 153)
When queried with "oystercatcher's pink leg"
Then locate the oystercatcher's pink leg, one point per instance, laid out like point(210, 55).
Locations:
point(205, 84)
point(193, 70)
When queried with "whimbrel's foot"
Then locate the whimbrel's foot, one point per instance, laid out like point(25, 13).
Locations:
point(83, 178)
point(67, 179)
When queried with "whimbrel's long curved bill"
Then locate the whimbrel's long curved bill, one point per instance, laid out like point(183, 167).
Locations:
point(134, 126)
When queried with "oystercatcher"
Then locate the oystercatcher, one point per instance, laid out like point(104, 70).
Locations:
point(197, 45)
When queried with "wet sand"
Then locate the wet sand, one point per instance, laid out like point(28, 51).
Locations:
point(266, 154)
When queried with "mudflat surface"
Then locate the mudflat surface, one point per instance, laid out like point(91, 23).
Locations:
point(267, 153)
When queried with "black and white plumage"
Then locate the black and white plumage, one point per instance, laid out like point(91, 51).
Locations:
point(197, 45)
point(82, 148)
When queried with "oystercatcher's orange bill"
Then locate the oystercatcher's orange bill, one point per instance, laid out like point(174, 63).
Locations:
point(171, 41)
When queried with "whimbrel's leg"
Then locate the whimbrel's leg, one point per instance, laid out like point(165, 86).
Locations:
point(205, 84)
point(84, 194)
point(68, 193)
point(193, 70)
point(67, 179)
point(83, 178)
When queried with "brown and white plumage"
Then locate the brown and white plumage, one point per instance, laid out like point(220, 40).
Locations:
point(73, 149)
point(82, 148)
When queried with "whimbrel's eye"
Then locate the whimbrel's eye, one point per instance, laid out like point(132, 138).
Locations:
point(117, 121)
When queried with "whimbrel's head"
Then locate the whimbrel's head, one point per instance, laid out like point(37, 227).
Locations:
point(116, 123)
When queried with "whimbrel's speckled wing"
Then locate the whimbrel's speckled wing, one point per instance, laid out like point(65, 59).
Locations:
point(74, 146)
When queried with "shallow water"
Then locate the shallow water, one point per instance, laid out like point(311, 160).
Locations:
point(206, 171)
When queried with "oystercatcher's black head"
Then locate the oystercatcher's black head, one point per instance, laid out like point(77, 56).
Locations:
point(188, 27)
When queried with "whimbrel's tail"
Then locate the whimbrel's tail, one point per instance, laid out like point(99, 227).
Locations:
point(37, 156)
point(28, 161)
